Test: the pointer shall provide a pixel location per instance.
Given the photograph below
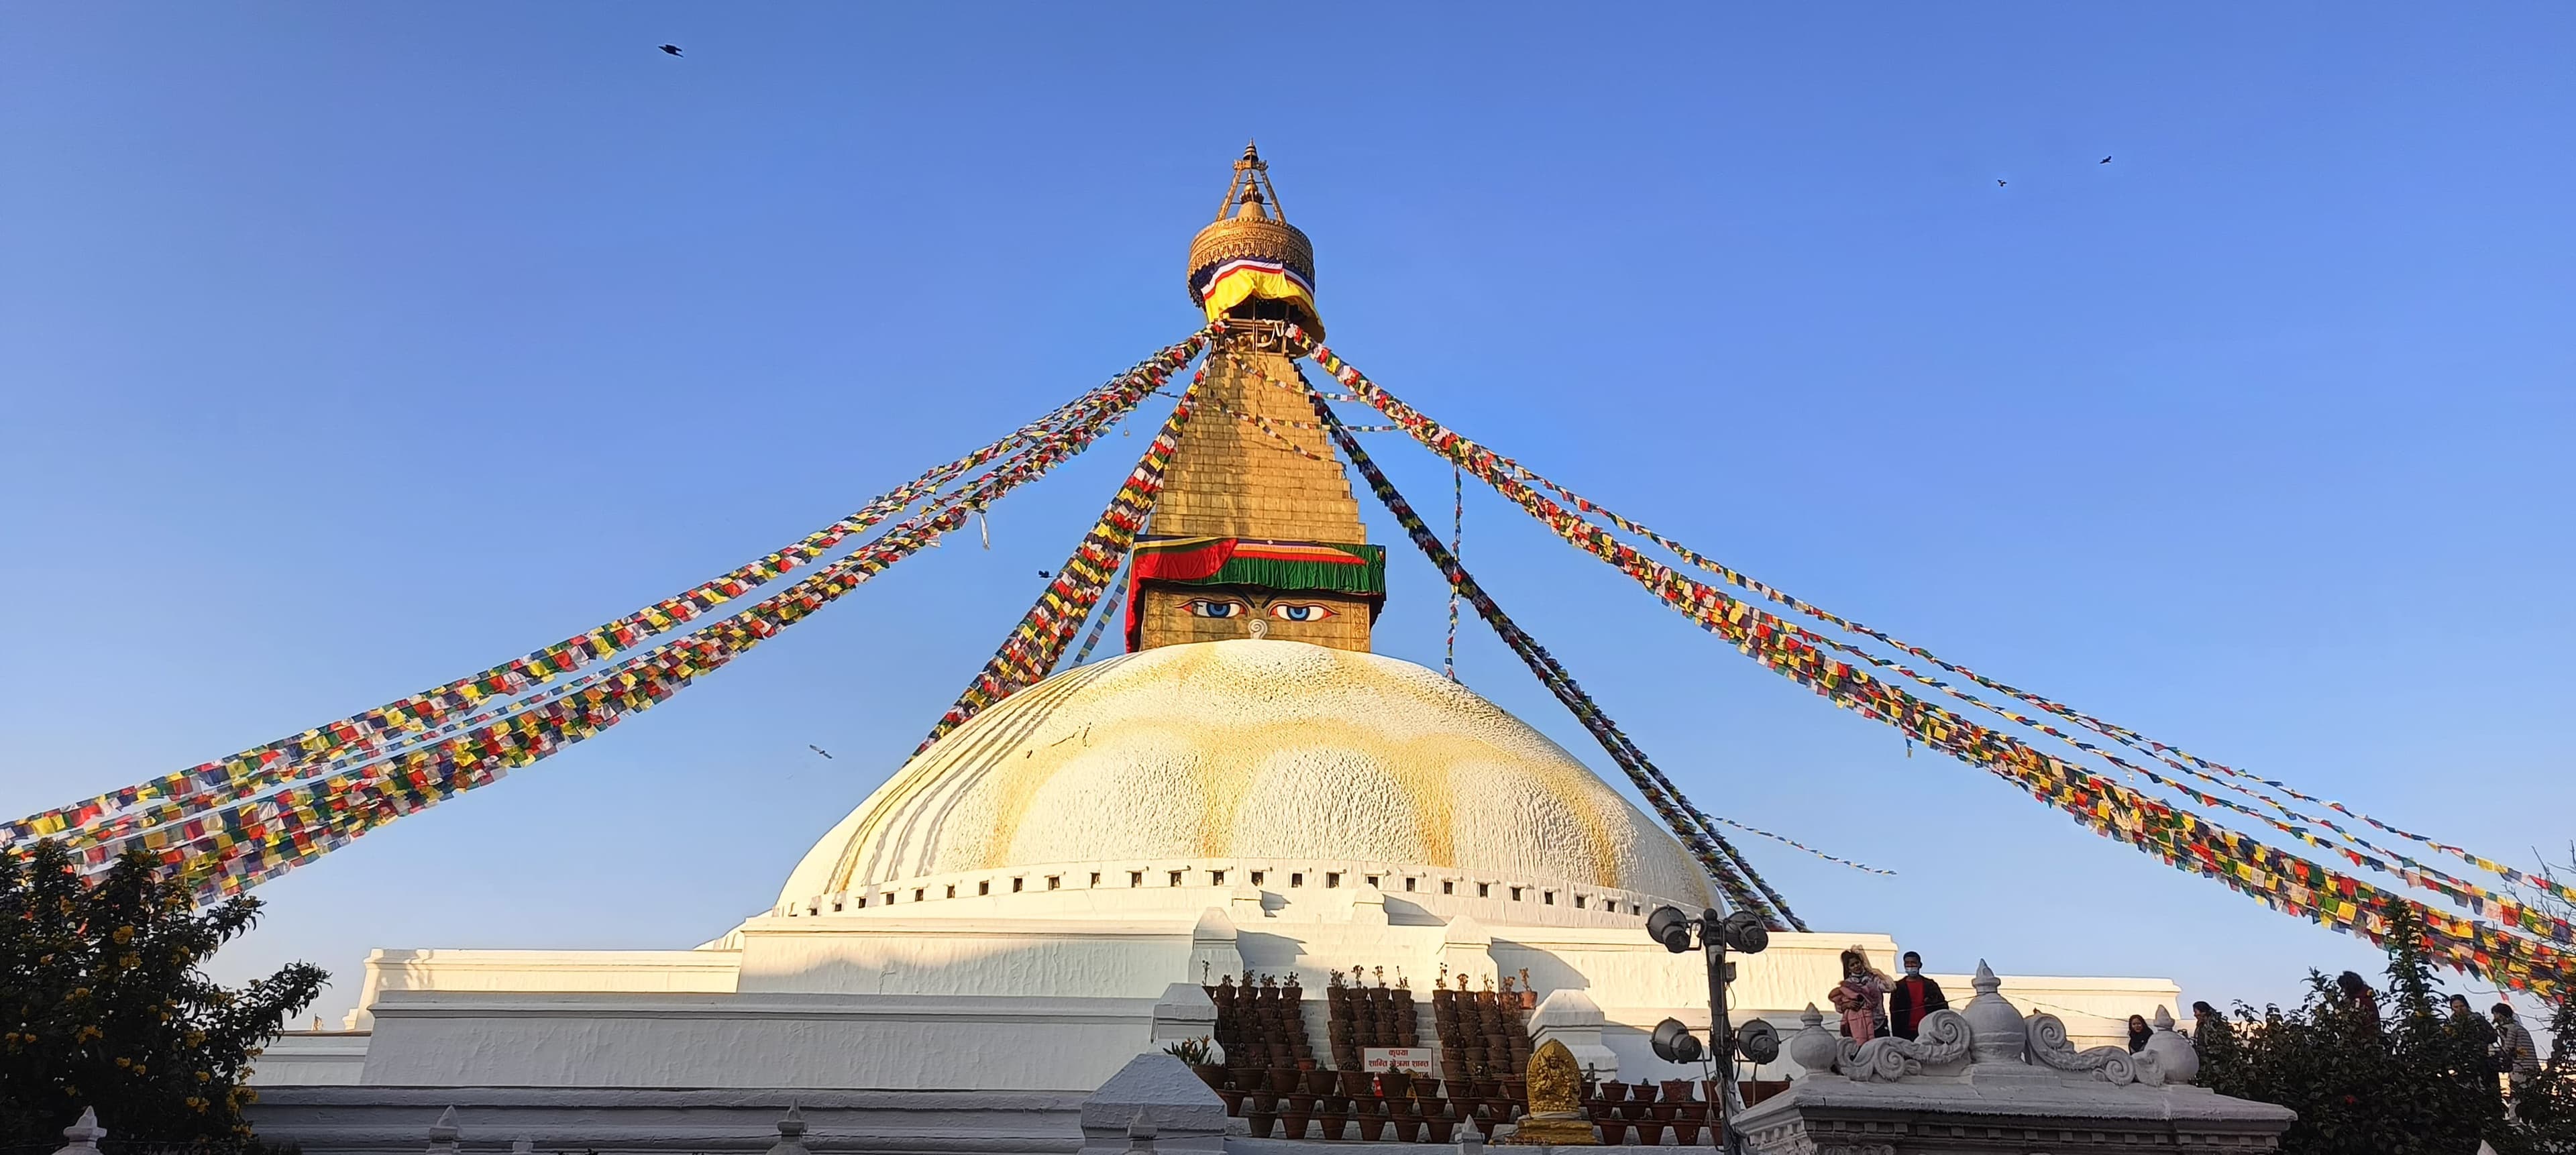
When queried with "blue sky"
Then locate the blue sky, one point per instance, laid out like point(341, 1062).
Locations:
point(347, 348)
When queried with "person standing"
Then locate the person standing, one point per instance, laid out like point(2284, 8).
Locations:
point(2139, 1033)
point(2477, 1042)
point(2358, 995)
point(1861, 997)
point(1911, 998)
point(2516, 1055)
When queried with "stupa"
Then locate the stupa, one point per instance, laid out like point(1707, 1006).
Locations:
point(1248, 796)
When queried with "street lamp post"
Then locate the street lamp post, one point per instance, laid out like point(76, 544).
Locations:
point(1743, 933)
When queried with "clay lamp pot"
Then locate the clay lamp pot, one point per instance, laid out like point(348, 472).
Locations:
point(1212, 1074)
point(1395, 1084)
point(1686, 1132)
point(1356, 1083)
point(1282, 1080)
point(1335, 1117)
point(1372, 1125)
point(1408, 1128)
point(1613, 1133)
point(1677, 1090)
point(1650, 1133)
point(1426, 1088)
point(1233, 1101)
point(1293, 1120)
point(1614, 1092)
point(1440, 1125)
point(1320, 1081)
point(1259, 1123)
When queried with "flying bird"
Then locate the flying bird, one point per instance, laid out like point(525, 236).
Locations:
point(673, 49)
point(1045, 574)
point(1999, 184)
point(820, 750)
point(2106, 160)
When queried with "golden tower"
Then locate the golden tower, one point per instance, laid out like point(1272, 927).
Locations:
point(1256, 534)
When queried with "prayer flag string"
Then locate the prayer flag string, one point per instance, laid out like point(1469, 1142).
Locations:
point(1724, 863)
point(2180, 838)
point(233, 846)
point(428, 709)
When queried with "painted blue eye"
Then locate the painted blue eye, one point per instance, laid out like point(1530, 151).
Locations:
point(1214, 608)
point(1301, 612)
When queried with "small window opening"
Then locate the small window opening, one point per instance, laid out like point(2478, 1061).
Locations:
point(1175, 879)
point(1055, 881)
point(1216, 878)
point(984, 887)
point(1256, 877)
point(1548, 897)
point(1017, 884)
point(1095, 878)
point(1372, 880)
point(1484, 890)
point(1297, 878)
point(1516, 894)
point(1332, 878)
point(1578, 902)
point(1448, 886)
point(918, 892)
point(1408, 884)
point(952, 890)
point(1135, 878)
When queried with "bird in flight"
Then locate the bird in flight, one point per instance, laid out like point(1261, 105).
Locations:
point(673, 49)
point(1999, 184)
point(820, 750)
point(2106, 160)
point(1045, 574)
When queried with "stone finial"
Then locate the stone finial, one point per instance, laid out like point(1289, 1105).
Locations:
point(791, 1133)
point(81, 1138)
point(1814, 1048)
point(1140, 1133)
point(2177, 1058)
point(442, 1134)
point(1998, 1034)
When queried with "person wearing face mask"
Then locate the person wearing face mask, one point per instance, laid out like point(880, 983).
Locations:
point(1913, 997)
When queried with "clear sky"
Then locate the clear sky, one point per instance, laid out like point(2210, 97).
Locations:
point(348, 348)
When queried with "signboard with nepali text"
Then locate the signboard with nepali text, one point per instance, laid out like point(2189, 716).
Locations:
point(1411, 1060)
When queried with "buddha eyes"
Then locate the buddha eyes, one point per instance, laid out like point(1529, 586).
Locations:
point(1228, 608)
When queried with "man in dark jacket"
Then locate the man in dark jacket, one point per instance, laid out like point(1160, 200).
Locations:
point(1913, 997)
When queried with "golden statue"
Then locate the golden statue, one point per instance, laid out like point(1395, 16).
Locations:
point(1555, 1116)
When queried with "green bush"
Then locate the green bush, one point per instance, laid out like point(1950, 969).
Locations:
point(103, 1002)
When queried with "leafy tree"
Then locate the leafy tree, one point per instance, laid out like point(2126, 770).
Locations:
point(2421, 1083)
point(103, 1002)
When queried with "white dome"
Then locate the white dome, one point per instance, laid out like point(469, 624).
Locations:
point(1248, 749)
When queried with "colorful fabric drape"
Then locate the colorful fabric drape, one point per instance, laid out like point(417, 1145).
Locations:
point(1225, 284)
point(1283, 565)
point(2179, 837)
point(1040, 638)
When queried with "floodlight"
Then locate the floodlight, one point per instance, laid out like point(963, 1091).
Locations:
point(1758, 1041)
point(1674, 1043)
point(1669, 926)
point(1744, 933)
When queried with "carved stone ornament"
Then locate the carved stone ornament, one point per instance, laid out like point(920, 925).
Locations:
point(1944, 1040)
point(1994, 1022)
point(2174, 1050)
point(2050, 1048)
point(1813, 1047)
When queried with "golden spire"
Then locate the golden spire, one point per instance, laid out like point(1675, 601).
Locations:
point(1250, 262)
